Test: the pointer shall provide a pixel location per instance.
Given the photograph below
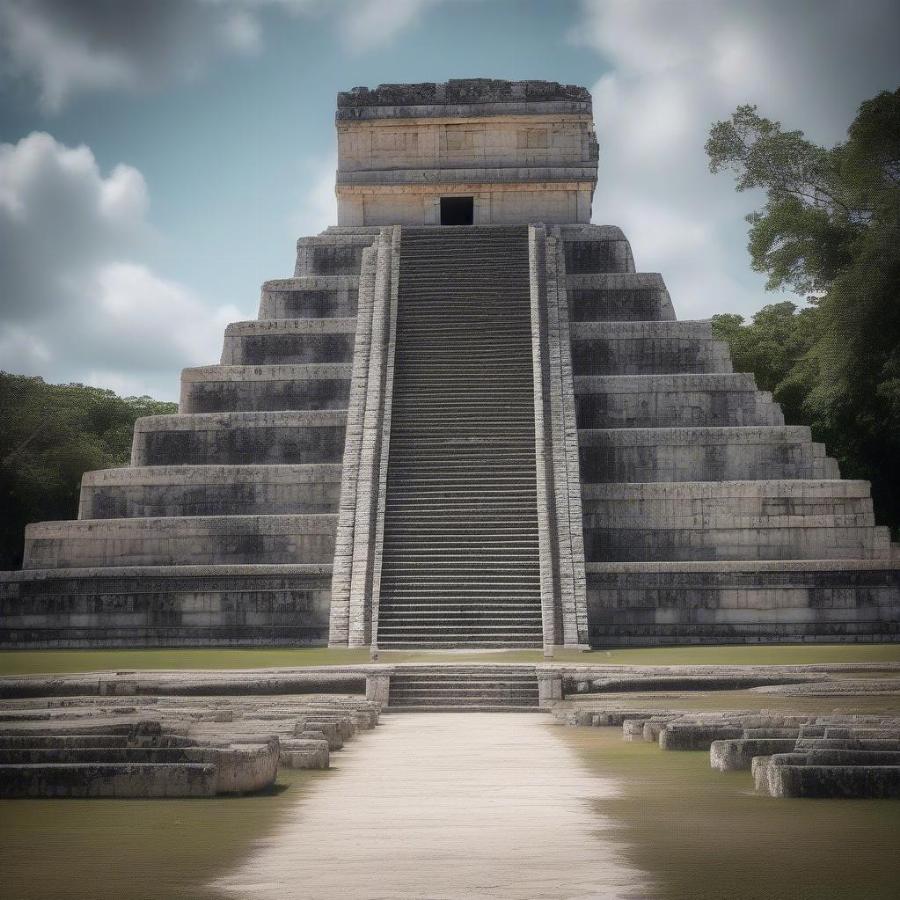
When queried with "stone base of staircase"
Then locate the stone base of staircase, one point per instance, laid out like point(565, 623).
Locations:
point(455, 688)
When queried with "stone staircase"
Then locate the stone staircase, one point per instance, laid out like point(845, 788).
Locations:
point(461, 688)
point(460, 560)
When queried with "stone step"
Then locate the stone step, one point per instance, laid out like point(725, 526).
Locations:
point(596, 251)
point(174, 541)
point(154, 491)
point(323, 297)
point(646, 348)
point(618, 297)
point(701, 454)
point(332, 254)
point(462, 642)
point(666, 401)
point(264, 388)
point(289, 341)
point(794, 541)
point(239, 438)
point(463, 414)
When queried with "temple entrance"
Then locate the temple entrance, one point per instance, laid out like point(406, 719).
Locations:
point(457, 210)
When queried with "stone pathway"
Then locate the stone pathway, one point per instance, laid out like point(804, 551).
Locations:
point(471, 805)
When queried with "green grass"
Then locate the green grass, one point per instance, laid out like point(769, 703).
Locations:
point(134, 849)
point(29, 662)
point(706, 835)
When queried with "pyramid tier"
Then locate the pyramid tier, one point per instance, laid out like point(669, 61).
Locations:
point(731, 520)
point(309, 297)
point(265, 388)
point(155, 491)
point(672, 401)
point(646, 348)
point(289, 342)
point(180, 541)
point(239, 438)
point(618, 297)
point(701, 454)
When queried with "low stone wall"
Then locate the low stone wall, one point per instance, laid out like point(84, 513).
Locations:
point(156, 606)
point(640, 604)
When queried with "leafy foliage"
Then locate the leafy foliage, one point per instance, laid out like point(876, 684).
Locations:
point(50, 435)
point(830, 227)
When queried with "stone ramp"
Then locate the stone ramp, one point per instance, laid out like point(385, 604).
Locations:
point(460, 557)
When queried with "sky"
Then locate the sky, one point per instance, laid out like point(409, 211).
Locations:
point(159, 158)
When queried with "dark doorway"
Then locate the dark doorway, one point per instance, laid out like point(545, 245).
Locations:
point(457, 210)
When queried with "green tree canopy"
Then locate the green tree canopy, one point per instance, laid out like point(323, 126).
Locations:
point(50, 435)
point(830, 228)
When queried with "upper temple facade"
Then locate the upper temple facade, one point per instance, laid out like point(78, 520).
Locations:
point(468, 152)
point(465, 420)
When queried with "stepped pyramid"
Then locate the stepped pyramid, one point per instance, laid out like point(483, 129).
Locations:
point(465, 421)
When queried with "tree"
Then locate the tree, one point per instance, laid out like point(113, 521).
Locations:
point(50, 435)
point(830, 228)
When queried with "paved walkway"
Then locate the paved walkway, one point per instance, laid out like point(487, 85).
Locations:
point(445, 806)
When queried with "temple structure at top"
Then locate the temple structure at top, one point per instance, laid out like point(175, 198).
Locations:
point(467, 421)
point(472, 152)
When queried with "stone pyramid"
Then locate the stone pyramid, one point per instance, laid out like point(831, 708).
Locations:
point(465, 421)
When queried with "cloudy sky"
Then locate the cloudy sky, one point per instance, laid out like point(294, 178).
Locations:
point(158, 158)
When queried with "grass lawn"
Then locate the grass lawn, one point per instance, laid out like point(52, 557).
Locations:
point(134, 849)
point(28, 662)
point(706, 835)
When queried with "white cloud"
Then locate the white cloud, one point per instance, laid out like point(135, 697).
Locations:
point(374, 23)
point(67, 49)
point(674, 69)
point(242, 32)
point(318, 207)
point(78, 301)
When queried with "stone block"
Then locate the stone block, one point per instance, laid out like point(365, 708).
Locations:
point(265, 388)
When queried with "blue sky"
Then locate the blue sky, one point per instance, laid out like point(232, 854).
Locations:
point(159, 159)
